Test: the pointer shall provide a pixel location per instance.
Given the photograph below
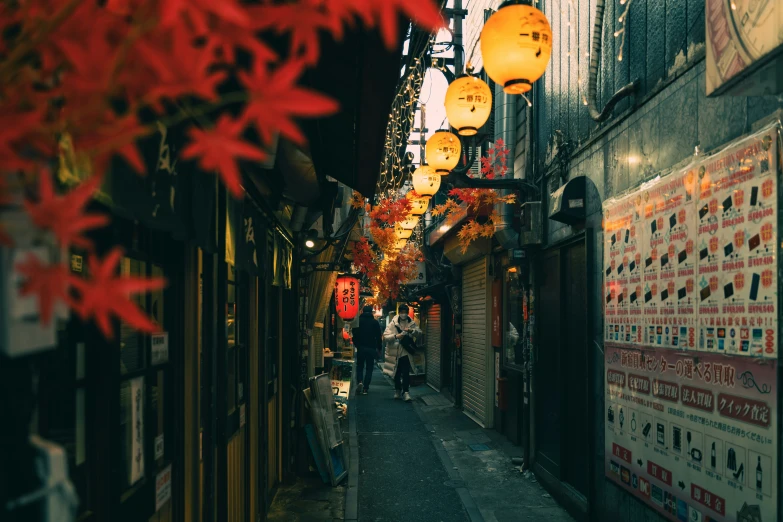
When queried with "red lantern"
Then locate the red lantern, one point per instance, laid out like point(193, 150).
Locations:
point(346, 297)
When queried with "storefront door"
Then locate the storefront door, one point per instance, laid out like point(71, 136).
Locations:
point(560, 370)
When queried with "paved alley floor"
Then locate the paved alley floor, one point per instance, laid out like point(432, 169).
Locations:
point(415, 463)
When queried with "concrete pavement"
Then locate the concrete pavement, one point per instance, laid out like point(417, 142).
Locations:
point(416, 463)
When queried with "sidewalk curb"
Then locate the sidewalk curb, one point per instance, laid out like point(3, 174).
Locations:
point(352, 491)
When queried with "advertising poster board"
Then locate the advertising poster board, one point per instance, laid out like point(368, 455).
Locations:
point(691, 380)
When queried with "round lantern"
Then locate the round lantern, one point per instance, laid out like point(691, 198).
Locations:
point(443, 151)
point(468, 104)
point(419, 204)
point(402, 233)
point(516, 44)
point(426, 181)
point(410, 223)
point(346, 297)
point(400, 244)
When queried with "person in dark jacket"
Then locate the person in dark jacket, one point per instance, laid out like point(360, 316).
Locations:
point(367, 339)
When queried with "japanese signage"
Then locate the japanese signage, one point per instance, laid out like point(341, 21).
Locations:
point(690, 260)
point(160, 348)
point(693, 435)
point(163, 488)
point(346, 297)
point(690, 295)
point(341, 373)
point(744, 41)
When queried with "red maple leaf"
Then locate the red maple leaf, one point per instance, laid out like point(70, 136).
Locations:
point(105, 295)
point(181, 66)
point(304, 22)
point(219, 148)
point(199, 12)
point(15, 127)
point(64, 215)
point(386, 13)
point(109, 135)
point(276, 99)
point(226, 37)
point(49, 283)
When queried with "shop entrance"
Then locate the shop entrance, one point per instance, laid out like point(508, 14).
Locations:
point(560, 372)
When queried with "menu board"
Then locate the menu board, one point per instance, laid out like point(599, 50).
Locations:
point(691, 300)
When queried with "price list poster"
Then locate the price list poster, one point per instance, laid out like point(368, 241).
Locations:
point(623, 273)
point(691, 400)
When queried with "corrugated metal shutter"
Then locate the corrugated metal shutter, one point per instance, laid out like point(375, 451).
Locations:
point(433, 346)
point(475, 342)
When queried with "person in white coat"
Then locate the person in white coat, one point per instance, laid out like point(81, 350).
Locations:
point(398, 328)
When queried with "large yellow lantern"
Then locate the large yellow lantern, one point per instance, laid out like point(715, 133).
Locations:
point(468, 104)
point(516, 44)
point(401, 232)
point(418, 204)
point(443, 151)
point(400, 244)
point(426, 181)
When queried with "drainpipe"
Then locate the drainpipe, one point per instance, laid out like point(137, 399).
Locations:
point(506, 128)
point(595, 58)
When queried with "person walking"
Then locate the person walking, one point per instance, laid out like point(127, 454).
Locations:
point(402, 325)
point(367, 339)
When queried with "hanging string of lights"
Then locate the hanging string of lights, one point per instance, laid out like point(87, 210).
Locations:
point(621, 32)
point(401, 119)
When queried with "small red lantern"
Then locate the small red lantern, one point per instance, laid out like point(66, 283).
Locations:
point(346, 297)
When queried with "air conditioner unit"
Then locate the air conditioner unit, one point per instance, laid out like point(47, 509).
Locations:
point(531, 232)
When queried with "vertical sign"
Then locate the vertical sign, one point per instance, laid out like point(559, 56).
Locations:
point(691, 341)
point(163, 488)
point(497, 313)
point(136, 468)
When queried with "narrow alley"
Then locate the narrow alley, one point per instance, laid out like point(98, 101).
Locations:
point(391, 260)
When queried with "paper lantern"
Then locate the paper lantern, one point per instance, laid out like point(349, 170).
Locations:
point(443, 151)
point(516, 44)
point(346, 297)
point(410, 223)
point(468, 104)
point(426, 181)
point(401, 232)
point(419, 204)
point(400, 244)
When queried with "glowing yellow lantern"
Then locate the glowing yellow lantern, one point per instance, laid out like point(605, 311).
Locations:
point(400, 244)
point(402, 233)
point(468, 104)
point(419, 204)
point(443, 151)
point(426, 181)
point(516, 44)
point(410, 223)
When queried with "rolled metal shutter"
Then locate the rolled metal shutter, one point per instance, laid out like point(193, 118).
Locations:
point(433, 346)
point(475, 342)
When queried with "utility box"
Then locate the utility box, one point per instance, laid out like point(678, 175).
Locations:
point(531, 232)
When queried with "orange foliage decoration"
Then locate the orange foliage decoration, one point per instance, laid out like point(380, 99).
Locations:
point(493, 166)
point(80, 71)
point(386, 270)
